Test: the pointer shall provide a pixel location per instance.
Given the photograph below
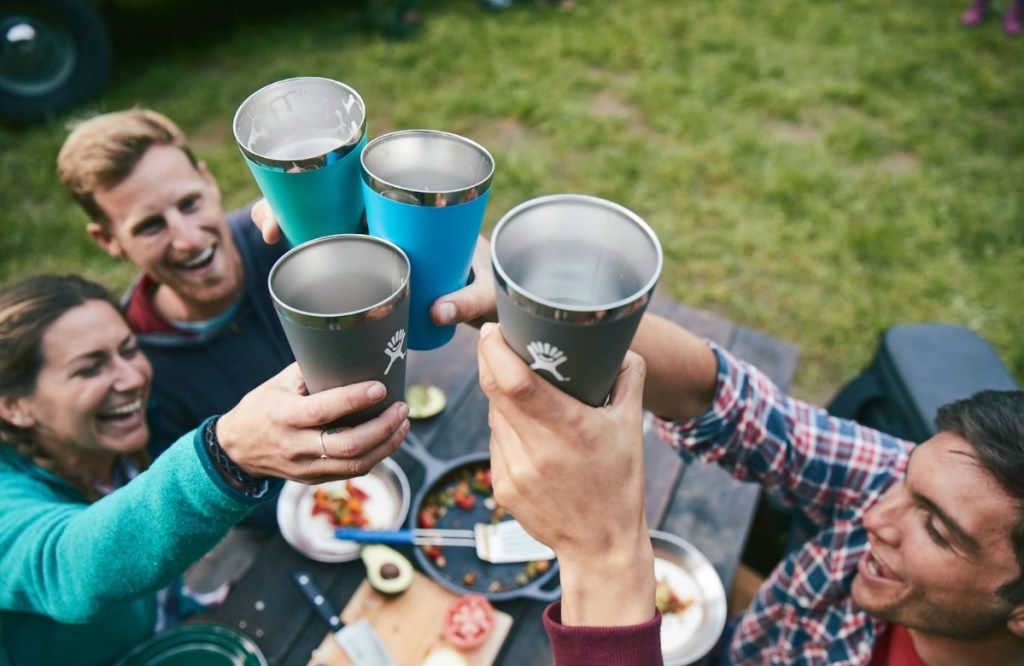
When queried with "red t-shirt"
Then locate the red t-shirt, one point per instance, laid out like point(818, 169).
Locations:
point(894, 648)
point(142, 317)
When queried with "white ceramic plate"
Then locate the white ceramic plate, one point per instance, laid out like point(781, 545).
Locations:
point(690, 634)
point(385, 508)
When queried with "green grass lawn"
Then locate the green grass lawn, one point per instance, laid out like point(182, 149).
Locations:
point(817, 170)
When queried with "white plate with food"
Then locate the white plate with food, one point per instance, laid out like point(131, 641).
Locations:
point(691, 598)
point(307, 515)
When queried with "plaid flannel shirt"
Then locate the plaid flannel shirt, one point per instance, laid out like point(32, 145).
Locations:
point(833, 470)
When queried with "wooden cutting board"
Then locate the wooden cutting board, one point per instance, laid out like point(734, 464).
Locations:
point(409, 625)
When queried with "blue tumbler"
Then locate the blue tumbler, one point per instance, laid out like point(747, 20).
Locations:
point(426, 191)
point(301, 139)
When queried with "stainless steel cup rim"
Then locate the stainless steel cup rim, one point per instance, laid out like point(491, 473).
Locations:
point(355, 114)
point(350, 318)
point(570, 314)
point(475, 186)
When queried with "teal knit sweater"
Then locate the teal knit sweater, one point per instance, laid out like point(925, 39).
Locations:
point(78, 580)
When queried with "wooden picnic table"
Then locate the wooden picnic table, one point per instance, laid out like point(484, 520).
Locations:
point(697, 502)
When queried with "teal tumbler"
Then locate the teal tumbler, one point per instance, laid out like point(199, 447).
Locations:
point(301, 139)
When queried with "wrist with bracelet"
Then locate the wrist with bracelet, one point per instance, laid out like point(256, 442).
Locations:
point(232, 473)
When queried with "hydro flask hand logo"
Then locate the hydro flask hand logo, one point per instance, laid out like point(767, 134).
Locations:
point(547, 357)
point(394, 348)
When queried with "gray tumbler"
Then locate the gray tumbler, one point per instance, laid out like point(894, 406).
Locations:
point(344, 304)
point(573, 276)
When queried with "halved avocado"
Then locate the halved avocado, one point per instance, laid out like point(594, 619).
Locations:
point(388, 571)
point(424, 401)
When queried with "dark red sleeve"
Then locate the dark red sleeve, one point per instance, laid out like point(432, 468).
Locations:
point(635, 645)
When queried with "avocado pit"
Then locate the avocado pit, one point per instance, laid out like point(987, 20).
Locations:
point(388, 571)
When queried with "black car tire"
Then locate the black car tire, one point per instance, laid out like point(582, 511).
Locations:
point(53, 53)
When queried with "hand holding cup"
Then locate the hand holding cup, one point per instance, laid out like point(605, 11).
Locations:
point(343, 302)
point(277, 430)
point(573, 476)
point(574, 275)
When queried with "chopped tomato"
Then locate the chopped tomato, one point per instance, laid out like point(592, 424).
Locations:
point(536, 567)
point(482, 480)
point(355, 492)
point(463, 496)
point(428, 517)
point(342, 510)
point(469, 621)
point(667, 601)
point(321, 500)
point(436, 554)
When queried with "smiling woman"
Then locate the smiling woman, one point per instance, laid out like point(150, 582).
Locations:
point(74, 383)
point(87, 405)
point(74, 387)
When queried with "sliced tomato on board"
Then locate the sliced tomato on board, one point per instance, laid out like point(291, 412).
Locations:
point(469, 621)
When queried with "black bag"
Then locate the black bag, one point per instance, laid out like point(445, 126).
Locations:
point(918, 368)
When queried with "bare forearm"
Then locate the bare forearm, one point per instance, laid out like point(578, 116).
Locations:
point(681, 369)
point(609, 587)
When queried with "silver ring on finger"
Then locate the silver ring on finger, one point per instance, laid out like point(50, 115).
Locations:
point(323, 449)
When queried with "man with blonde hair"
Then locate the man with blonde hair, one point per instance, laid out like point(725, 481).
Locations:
point(200, 306)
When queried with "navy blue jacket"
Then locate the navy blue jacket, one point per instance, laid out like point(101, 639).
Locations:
point(197, 376)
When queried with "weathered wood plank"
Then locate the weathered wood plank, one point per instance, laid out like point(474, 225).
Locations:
point(699, 322)
point(265, 605)
point(772, 356)
point(663, 467)
point(713, 512)
point(706, 325)
point(530, 644)
point(452, 368)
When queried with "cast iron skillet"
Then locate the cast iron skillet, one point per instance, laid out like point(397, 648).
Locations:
point(463, 571)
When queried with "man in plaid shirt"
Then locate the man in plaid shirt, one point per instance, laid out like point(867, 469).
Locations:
point(918, 561)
